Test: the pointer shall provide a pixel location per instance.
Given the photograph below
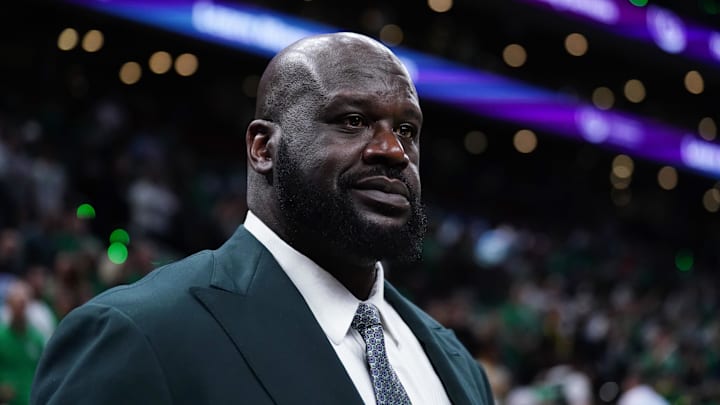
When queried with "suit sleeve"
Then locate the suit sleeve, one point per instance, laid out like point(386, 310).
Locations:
point(98, 355)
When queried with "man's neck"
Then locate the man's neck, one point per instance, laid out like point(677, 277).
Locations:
point(357, 274)
point(358, 279)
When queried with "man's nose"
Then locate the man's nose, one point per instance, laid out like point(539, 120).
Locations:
point(385, 148)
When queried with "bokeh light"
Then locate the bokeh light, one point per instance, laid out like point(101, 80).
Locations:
point(609, 391)
point(475, 142)
point(92, 41)
point(620, 183)
point(130, 72)
point(186, 64)
point(694, 82)
point(440, 6)
point(623, 166)
point(634, 90)
point(120, 236)
point(707, 128)
point(68, 39)
point(525, 141)
point(391, 35)
point(711, 200)
point(667, 178)
point(603, 98)
point(85, 211)
point(576, 44)
point(514, 55)
point(684, 260)
point(639, 3)
point(160, 62)
point(117, 253)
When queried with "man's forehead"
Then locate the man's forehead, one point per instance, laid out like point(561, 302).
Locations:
point(342, 56)
point(332, 78)
point(362, 97)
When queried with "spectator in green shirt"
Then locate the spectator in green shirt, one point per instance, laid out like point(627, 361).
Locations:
point(20, 348)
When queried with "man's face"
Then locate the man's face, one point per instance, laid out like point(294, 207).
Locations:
point(17, 301)
point(348, 171)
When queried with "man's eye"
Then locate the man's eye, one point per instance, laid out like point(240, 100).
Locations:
point(406, 131)
point(354, 121)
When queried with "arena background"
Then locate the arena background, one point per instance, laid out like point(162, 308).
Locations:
point(574, 269)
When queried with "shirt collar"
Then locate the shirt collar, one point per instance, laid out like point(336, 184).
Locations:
point(331, 303)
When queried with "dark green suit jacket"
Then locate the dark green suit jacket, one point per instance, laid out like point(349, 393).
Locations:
point(221, 327)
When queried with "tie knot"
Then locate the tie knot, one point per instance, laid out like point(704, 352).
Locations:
point(366, 316)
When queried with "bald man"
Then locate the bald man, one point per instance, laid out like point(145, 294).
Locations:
point(293, 308)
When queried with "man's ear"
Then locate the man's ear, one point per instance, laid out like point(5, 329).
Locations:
point(261, 139)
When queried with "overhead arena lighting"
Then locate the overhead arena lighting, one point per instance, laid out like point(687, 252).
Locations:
point(264, 33)
point(651, 24)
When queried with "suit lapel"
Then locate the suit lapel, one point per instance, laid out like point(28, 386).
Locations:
point(442, 358)
point(271, 325)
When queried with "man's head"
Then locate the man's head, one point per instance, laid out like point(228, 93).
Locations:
point(334, 150)
point(17, 299)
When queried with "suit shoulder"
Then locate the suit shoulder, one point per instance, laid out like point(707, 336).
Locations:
point(428, 320)
point(163, 286)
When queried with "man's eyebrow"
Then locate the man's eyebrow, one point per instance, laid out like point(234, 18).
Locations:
point(363, 101)
point(356, 100)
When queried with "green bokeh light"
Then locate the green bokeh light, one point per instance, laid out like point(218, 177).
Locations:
point(117, 253)
point(85, 211)
point(639, 3)
point(120, 236)
point(684, 260)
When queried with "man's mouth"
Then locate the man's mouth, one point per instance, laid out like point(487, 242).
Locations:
point(383, 191)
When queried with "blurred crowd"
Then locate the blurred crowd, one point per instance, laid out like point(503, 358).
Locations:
point(556, 315)
point(573, 318)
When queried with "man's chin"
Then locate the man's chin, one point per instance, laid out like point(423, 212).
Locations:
point(383, 237)
point(384, 221)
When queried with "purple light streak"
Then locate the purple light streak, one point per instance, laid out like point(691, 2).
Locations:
point(264, 33)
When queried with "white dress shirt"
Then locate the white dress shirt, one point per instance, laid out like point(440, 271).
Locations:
point(334, 308)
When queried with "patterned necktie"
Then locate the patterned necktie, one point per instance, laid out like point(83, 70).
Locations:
point(387, 386)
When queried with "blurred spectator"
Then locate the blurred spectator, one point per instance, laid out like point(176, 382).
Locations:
point(638, 393)
point(498, 374)
point(575, 385)
point(20, 347)
point(11, 254)
point(38, 313)
point(15, 178)
point(72, 281)
point(153, 205)
point(49, 180)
